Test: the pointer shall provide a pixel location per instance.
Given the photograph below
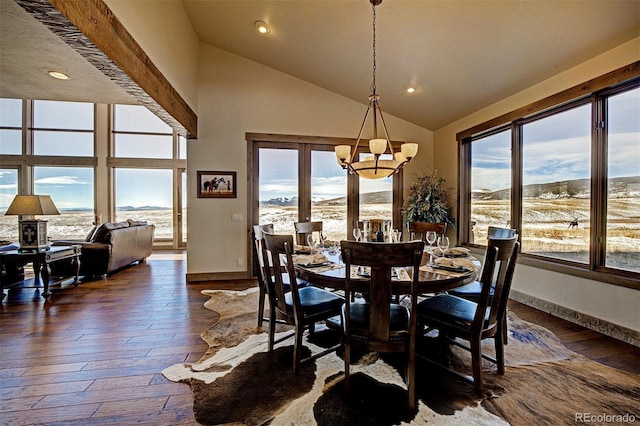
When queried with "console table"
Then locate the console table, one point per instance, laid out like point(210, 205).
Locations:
point(11, 261)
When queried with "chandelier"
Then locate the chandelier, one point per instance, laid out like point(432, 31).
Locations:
point(372, 166)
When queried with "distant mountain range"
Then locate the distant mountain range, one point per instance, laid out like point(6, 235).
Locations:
point(368, 198)
point(577, 188)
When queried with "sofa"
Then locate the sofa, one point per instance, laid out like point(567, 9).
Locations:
point(111, 246)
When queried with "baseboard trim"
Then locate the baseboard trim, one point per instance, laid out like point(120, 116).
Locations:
point(216, 276)
point(619, 332)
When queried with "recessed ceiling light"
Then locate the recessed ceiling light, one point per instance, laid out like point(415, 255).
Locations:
point(262, 27)
point(410, 89)
point(59, 75)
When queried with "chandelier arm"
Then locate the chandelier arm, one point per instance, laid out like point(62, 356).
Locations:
point(386, 133)
point(364, 121)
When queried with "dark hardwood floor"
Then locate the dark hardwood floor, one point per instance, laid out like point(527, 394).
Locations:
point(94, 354)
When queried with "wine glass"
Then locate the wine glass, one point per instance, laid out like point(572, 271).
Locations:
point(311, 241)
point(323, 238)
point(357, 234)
point(431, 238)
point(443, 244)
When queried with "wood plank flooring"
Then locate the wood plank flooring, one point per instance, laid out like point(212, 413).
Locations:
point(94, 354)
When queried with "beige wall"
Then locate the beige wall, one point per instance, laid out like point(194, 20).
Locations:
point(237, 96)
point(164, 32)
point(615, 304)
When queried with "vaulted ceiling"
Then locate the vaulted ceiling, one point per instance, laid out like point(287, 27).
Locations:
point(461, 55)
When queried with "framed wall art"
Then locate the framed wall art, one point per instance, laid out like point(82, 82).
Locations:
point(216, 184)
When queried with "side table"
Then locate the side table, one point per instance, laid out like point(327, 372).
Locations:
point(15, 259)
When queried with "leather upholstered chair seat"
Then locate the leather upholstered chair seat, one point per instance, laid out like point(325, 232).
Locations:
point(398, 321)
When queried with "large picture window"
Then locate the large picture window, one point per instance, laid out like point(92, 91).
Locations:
point(556, 190)
point(567, 177)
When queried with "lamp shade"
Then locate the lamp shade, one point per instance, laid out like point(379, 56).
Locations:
point(32, 205)
point(343, 152)
point(377, 146)
point(409, 150)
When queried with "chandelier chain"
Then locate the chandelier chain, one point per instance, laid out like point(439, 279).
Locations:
point(373, 84)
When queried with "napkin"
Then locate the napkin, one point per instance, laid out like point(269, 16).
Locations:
point(455, 263)
point(457, 251)
point(301, 249)
point(310, 259)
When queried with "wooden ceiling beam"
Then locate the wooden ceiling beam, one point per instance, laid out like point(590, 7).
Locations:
point(91, 28)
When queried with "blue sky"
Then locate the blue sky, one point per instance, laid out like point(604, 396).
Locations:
point(558, 148)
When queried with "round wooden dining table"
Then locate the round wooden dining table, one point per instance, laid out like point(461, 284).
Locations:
point(332, 275)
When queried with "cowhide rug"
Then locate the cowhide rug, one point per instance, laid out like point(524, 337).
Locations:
point(237, 381)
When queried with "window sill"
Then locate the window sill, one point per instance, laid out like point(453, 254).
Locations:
point(610, 276)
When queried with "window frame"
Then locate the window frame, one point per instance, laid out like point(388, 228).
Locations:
point(596, 93)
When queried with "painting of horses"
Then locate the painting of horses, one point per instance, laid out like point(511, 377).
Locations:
point(216, 184)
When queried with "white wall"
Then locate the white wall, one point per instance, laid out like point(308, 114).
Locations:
point(236, 96)
point(164, 32)
point(615, 304)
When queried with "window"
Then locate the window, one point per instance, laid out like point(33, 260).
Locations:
point(376, 196)
point(71, 189)
point(8, 190)
point(566, 176)
point(10, 126)
point(146, 194)
point(623, 183)
point(138, 133)
point(556, 190)
point(63, 128)
point(328, 194)
point(278, 188)
point(490, 184)
point(149, 172)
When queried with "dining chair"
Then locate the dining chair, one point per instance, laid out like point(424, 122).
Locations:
point(454, 316)
point(265, 268)
point(299, 306)
point(258, 261)
point(420, 229)
point(377, 324)
point(472, 290)
point(305, 228)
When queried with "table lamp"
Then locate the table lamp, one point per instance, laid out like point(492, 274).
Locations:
point(33, 232)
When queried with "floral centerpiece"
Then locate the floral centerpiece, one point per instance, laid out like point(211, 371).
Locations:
point(429, 201)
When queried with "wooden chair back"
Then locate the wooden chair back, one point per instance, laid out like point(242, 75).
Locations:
point(280, 249)
point(258, 241)
point(420, 229)
point(495, 293)
point(305, 228)
point(260, 267)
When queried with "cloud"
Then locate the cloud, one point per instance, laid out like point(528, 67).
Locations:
point(60, 180)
